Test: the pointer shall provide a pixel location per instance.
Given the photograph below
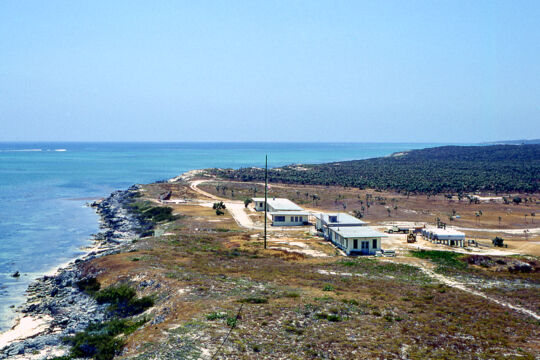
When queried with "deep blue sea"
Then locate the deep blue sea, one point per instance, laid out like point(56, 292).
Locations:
point(44, 188)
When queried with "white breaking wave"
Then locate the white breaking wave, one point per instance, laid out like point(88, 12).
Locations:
point(19, 150)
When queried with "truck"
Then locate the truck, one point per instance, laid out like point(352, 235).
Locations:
point(399, 229)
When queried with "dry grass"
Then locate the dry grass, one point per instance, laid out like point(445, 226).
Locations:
point(369, 309)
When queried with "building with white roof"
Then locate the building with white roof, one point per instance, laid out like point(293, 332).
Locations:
point(326, 221)
point(356, 240)
point(289, 218)
point(444, 236)
point(283, 212)
point(276, 204)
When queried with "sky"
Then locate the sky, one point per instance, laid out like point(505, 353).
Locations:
point(331, 71)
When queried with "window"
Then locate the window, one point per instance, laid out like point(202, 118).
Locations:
point(374, 243)
point(279, 218)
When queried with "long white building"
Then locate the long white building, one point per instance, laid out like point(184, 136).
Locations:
point(444, 236)
point(325, 221)
point(283, 212)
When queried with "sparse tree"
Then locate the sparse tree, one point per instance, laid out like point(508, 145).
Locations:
point(498, 241)
point(247, 202)
point(219, 207)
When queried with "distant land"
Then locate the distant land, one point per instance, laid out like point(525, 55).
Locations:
point(445, 169)
point(513, 142)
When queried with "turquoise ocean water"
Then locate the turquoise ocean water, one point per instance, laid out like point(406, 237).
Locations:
point(44, 188)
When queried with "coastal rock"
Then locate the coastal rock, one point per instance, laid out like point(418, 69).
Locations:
point(73, 310)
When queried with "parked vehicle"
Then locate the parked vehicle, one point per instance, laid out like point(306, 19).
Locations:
point(411, 238)
point(399, 229)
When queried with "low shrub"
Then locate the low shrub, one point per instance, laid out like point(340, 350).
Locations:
point(444, 259)
point(100, 340)
point(123, 301)
point(215, 316)
point(329, 317)
point(89, 285)
point(255, 300)
point(159, 214)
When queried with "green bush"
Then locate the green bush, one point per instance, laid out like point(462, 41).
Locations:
point(89, 285)
point(328, 288)
point(445, 259)
point(329, 317)
point(159, 214)
point(255, 300)
point(115, 294)
point(215, 316)
point(123, 301)
point(100, 340)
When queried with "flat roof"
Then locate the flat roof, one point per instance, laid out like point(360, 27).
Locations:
point(438, 231)
point(357, 231)
point(342, 218)
point(280, 204)
point(289, 213)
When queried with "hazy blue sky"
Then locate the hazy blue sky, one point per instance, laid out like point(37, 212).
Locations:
point(446, 71)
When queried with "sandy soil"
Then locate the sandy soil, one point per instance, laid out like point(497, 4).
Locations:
point(25, 327)
point(237, 210)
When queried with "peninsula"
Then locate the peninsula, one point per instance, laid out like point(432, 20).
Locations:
point(180, 270)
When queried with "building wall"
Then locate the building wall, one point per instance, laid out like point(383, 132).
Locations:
point(290, 220)
point(259, 205)
point(347, 244)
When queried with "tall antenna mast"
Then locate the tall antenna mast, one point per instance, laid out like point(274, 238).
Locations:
point(265, 196)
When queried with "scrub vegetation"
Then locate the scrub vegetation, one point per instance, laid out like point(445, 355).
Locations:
point(206, 282)
point(447, 169)
point(105, 340)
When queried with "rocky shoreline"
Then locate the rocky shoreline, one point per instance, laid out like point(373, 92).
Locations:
point(56, 302)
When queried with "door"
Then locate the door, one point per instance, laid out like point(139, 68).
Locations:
point(365, 247)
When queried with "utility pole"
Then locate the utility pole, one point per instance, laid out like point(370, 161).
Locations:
point(265, 196)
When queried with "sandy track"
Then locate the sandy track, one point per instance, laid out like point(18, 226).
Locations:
point(452, 283)
point(426, 269)
point(236, 209)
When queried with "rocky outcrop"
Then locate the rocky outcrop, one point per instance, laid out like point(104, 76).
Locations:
point(59, 297)
point(165, 196)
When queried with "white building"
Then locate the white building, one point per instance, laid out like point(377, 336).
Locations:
point(289, 218)
point(326, 221)
point(444, 236)
point(356, 240)
point(276, 204)
point(283, 212)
